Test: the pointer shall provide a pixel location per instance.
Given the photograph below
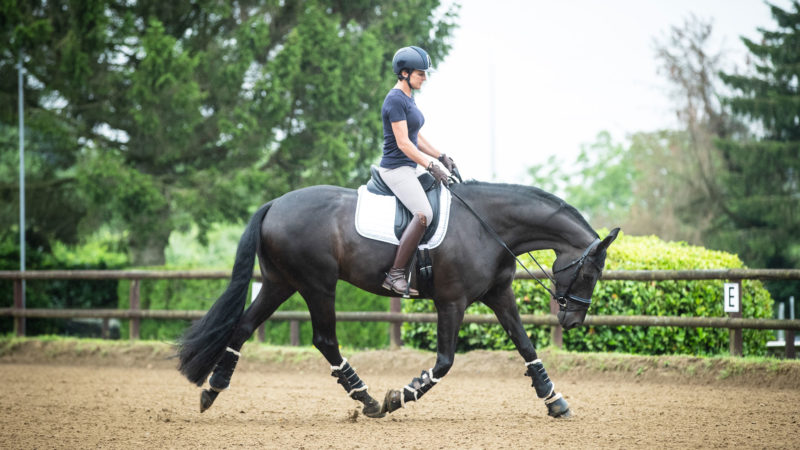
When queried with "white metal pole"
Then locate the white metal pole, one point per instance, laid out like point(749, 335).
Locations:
point(20, 83)
point(791, 316)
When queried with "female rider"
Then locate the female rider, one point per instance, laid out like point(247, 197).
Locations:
point(403, 149)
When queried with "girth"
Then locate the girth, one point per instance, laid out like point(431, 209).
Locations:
point(403, 216)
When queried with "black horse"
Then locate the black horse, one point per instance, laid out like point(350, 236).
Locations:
point(306, 240)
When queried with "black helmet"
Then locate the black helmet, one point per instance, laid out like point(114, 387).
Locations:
point(413, 58)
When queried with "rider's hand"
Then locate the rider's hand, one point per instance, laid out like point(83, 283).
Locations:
point(448, 162)
point(438, 173)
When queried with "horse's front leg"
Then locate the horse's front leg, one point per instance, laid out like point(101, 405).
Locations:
point(505, 308)
point(450, 316)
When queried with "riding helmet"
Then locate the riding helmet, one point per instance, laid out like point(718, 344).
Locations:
point(413, 58)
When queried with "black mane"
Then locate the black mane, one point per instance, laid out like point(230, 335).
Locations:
point(532, 192)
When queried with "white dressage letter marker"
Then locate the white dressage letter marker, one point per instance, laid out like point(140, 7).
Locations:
point(730, 294)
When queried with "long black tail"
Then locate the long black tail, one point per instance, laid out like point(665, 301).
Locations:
point(204, 343)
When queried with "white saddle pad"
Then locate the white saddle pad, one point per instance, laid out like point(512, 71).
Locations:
point(375, 217)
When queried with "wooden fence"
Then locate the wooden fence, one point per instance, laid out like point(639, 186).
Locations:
point(735, 323)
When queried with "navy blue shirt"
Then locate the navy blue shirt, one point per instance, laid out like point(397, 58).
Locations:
point(398, 106)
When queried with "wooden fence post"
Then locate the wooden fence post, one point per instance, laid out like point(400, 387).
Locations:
point(134, 300)
point(19, 303)
point(735, 334)
point(294, 332)
point(262, 333)
point(395, 335)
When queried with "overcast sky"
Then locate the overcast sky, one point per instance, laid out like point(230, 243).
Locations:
point(562, 72)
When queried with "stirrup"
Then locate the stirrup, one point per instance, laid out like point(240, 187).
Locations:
point(389, 284)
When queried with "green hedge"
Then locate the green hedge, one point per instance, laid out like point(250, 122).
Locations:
point(201, 294)
point(350, 334)
point(58, 294)
point(665, 298)
point(168, 295)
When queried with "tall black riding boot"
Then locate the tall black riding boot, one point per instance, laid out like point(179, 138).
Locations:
point(396, 278)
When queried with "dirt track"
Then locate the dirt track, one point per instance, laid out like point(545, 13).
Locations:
point(126, 402)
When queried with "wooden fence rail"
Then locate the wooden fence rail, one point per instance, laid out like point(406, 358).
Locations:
point(629, 275)
point(375, 316)
point(735, 323)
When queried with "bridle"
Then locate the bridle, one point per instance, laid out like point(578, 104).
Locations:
point(560, 298)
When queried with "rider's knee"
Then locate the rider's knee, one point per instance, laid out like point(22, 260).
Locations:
point(425, 217)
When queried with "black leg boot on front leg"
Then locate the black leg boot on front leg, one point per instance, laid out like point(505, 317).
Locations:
point(395, 400)
point(356, 389)
point(556, 405)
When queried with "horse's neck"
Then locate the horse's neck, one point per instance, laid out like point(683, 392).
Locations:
point(528, 223)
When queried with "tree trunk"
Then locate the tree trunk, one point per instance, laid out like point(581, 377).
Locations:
point(148, 250)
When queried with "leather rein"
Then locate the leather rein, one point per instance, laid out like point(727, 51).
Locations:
point(560, 298)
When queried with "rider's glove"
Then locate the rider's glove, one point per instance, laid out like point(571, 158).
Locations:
point(438, 173)
point(448, 162)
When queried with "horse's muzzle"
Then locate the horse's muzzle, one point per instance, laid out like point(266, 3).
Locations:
point(571, 319)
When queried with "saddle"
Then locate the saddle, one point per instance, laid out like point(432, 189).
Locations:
point(403, 216)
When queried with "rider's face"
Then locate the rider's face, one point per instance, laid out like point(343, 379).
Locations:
point(417, 78)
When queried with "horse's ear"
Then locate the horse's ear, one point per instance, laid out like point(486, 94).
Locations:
point(607, 241)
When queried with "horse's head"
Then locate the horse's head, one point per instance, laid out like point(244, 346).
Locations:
point(575, 278)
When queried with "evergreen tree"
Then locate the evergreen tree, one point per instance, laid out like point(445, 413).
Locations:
point(762, 187)
point(179, 113)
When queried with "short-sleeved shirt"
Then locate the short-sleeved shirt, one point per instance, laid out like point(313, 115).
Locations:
point(398, 106)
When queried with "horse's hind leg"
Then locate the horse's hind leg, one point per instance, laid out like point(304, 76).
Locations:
point(323, 321)
point(505, 308)
point(272, 295)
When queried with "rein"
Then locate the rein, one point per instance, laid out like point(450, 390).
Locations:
point(561, 299)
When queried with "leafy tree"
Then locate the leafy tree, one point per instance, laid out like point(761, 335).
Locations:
point(54, 207)
point(602, 165)
point(599, 182)
point(663, 182)
point(179, 113)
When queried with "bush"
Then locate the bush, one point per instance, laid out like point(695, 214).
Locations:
point(168, 295)
point(58, 294)
point(666, 298)
point(351, 334)
point(201, 294)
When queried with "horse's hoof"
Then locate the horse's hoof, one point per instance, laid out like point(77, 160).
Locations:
point(566, 415)
point(207, 398)
point(559, 409)
point(392, 401)
point(372, 408)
